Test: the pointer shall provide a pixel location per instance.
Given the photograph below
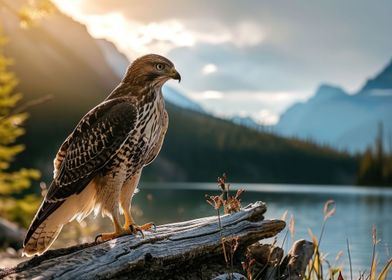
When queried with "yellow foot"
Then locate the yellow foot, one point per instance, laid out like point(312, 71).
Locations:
point(112, 235)
point(132, 229)
point(135, 228)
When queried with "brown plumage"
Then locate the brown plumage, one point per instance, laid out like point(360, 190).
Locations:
point(100, 163)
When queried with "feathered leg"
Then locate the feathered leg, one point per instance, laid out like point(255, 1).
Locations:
point(118, 231)
point(108, 192)
point(127, 192)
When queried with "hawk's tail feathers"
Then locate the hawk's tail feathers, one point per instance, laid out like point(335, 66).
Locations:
point(42, 239)
point(45, 228)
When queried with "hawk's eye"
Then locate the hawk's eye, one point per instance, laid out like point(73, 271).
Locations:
point(160, 66)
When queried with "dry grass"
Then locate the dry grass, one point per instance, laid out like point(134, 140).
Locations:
point(319, 267)
point(316, 267)
point(231, 204)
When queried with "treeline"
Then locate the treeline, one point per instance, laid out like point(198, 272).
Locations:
point(199, 146)
point(376, 163)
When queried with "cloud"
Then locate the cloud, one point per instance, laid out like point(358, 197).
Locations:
point(134, 38)
point(264, 107)
point(210, 94)
point(247, 34)
point(209, 69)
point(265, 117)
point(260, 56)
point(258, 68)
point(342, 42)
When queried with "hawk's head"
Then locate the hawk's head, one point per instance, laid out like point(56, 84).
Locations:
point(151, 69)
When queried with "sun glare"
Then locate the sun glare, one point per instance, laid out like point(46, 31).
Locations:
point(71, 8)
point(131, 37)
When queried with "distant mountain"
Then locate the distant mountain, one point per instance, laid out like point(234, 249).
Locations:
point(59, 57)
point(246, 121)
point(119, 63)
point(344, 121)
point(175, 97)
point(381, 84)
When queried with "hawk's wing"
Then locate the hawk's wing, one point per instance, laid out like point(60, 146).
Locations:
point(95, 140)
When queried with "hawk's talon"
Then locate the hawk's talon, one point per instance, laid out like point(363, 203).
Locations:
point(135, 229)
point(97, 237)
point(141, 232)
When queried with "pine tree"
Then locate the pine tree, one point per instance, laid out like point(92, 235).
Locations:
point(375, 167)
point(14, 204)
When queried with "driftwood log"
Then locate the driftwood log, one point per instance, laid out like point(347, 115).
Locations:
point(186, 250)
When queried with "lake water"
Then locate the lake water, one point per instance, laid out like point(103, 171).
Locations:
point(357, 210)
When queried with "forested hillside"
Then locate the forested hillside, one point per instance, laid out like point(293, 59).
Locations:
point(198, 147)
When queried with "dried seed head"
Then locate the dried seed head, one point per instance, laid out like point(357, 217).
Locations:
point(231, 205)
point(292, 226)
point(215, 201)
point(239, 192)
point(329, 209)
point(222, 182)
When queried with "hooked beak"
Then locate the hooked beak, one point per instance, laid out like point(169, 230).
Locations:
point(175, 75)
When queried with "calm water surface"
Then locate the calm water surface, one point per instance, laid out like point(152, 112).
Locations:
point(357, 209)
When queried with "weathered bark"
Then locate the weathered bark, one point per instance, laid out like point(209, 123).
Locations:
point(233, 276)
point(268, 259)
point(186, 250)
point(298, 258)
point(270, 264)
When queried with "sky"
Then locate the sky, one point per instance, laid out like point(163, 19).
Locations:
point(249, 58)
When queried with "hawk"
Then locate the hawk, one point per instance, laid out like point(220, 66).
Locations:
point(99, 165)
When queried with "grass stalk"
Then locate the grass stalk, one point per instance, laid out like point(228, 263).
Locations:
point(349, 259)
point(373, 266)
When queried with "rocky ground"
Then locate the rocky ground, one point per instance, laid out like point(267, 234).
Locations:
point(10, 258)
